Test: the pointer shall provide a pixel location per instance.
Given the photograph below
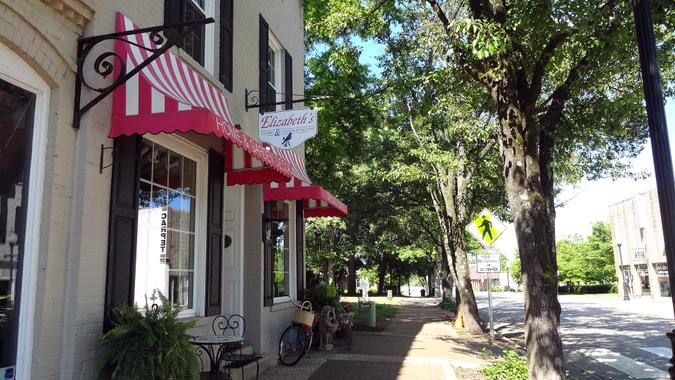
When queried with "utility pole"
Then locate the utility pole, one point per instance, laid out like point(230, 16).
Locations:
point(658, 133)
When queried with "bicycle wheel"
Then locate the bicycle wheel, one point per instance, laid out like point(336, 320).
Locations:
point(309, 334)
point(348, 337)
point(292, 345)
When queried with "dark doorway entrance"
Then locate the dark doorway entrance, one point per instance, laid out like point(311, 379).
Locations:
point(17, 107)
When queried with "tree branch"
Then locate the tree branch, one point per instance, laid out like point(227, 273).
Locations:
point(459, 53)
point(540, 67)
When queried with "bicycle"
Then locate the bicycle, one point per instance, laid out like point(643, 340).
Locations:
point(296, 340)
point(345, 323)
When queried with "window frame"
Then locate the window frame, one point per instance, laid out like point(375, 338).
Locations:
point(292, 256)
point(208, 37)
point(278, 80)
point(200, 157)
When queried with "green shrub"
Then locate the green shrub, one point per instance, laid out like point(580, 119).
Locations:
point(322, 295)
point(586, 289)
point(496, 288)
point(447, 304)
point(149, 344)
point(614, 288)
point(511, 366)
point(373, 293)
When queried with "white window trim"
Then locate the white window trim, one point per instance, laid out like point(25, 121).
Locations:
point(292, 280)
point(209, 37)
point(200, 156)
point(275, 45)
point(16, 71)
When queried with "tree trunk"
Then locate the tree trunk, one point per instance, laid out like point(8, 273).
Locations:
point(534, 229)
point(351, 281)
point(467, 299)
point(448, 210)
point(381, 276)
point(446, 277)
point(331, 272)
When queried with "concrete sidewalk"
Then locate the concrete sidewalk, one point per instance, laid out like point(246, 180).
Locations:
point(419, 342)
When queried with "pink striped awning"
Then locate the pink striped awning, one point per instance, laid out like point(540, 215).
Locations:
point(168, 96)
point(317, 201)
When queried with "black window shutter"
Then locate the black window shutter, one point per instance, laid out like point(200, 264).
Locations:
point(122, 226)
point(288, 80)
point(226, 42)
point(263, 52)
point(268, 299)
point(300, 248)
point(171, 16)
point(214, 232)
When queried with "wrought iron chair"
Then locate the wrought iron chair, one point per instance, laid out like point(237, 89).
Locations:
point(234, 325)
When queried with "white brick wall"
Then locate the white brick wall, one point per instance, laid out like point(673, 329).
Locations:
point(74, 220)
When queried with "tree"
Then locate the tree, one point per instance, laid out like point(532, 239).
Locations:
point(515, 271)
point(589, 260)
point(563, 81)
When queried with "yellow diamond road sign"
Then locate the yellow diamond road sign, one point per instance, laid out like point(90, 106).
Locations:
point(486, 228)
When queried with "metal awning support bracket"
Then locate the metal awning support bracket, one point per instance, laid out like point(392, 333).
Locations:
point(252, 100)
point(103, 64)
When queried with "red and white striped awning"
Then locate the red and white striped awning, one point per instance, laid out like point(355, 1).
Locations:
point(169, 96)
point(317, 200)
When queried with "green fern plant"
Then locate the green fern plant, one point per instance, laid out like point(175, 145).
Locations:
point(149, 344)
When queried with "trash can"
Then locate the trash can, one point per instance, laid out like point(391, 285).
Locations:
point(423, 293)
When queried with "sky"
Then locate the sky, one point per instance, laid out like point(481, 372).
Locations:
point(585, 202)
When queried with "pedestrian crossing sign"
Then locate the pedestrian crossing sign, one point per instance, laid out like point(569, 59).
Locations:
point(486, 228)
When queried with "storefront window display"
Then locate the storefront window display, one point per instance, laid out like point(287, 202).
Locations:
point(166, 226)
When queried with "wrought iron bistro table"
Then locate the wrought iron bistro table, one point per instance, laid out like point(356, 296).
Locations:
point(217, 347)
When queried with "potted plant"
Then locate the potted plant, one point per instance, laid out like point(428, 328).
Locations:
point(149, 344)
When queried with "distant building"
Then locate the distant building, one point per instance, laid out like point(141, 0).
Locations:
point(638, 237)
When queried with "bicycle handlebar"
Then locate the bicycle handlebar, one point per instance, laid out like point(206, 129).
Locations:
point(306, 305)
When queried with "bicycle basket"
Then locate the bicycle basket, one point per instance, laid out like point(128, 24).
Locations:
point(304, 317)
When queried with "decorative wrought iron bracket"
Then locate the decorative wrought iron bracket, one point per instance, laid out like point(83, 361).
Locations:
point(252, 100)
point(103, 64)
point(100, 159)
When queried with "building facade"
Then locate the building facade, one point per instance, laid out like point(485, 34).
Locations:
point(639, 253)
point(160, 186)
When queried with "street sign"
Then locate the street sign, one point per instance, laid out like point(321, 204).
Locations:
point(487, 228)
point(488, 263)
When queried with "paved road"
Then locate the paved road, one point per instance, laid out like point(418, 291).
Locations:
point(604, 337)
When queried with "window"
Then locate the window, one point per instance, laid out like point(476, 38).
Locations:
point(181, 11)
point(274, 80)
point(167, 212)
point(278, 251)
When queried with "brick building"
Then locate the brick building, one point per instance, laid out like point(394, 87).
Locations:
point(638, 237)
point(78, 237)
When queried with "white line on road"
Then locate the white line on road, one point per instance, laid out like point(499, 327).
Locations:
point(625, 364)
point(665, 352)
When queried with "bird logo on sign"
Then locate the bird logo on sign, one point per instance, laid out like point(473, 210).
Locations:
point(287, 140)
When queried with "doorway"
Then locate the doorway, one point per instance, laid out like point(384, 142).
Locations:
point(17, 108)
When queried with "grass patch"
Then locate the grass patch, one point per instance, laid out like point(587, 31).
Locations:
point(510, 366)
point(447, 304)
point(382, 310)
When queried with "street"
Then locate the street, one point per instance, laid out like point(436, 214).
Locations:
point(603, 336)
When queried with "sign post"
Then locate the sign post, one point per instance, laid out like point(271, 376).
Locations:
point(487, 228)
point(489, 263)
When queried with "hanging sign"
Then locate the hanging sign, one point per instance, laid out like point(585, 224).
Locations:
point(287, 129)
